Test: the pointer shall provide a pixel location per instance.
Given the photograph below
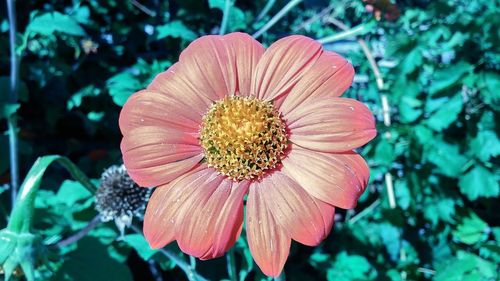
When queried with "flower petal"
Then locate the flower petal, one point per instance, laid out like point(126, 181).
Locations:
point(211, 220)
point(328, 214)
point(337, 179)
point(229, 224)
point(176, 85)
point(268, 242)
point(294, 209)
point(245, 52)
point(330, 76)
point(331, 124)
point(208, 68)
point(164, 206)
point(151, 108)
point(283, 64)
point(156, 155)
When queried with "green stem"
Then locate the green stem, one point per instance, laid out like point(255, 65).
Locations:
point(80, 234)
point(231, 265)
point(353, 32)
point(22, 214)
point(365, 212)
point(180, 262)
point(267, 8)
point(192, 265)
point(276, 17)
point(14, 82)
point(225, 16)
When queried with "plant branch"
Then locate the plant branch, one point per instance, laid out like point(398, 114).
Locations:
point(188, 270)
point(365, 212)
point(14, 84)
point(276, 17)
point(225, 16)
point(80, 234)
point(361, 29)
point(143, 8)
point(267, 8)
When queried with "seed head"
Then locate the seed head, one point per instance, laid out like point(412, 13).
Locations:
point(119, 198)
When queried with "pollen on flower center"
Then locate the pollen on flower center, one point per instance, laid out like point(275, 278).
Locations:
point(243, 137)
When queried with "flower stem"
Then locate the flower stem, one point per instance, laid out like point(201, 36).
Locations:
point(12, 120)
point(267, 8)
point(80, 234)
point(225, 16)
point(231, 265)
point(353, 32)
point(183, 265)
point(276, 17)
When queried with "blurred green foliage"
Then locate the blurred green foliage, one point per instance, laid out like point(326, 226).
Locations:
point(440, 62)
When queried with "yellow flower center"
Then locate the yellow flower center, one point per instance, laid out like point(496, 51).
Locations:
point(243, 137)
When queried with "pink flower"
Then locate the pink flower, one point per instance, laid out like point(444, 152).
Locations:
point(232, 119)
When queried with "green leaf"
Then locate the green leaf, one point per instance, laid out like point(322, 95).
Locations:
point(445, 115)
point(122, 86)
point(436, 209)
point(21, 215)
point(139, 243)
point(409, 109)
point(496, 233)
point(175, 29)
point(447, 77)
point(48, 23)
point(384, 153)
point(446, 157)
point(479, 182)
point(350, 267)
point(490, 83)
point(403, 194)
point(7, 109)
point(471, 230)
point(465, 266)
point(318, 259)
point(70, 192)
point(76, 99)
point(411, 61)
point(96, 116)
point(91, 262)
point(485, 145)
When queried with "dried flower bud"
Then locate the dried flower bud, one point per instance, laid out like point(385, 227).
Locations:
point(119, 198)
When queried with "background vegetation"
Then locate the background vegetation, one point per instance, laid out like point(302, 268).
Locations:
point(429, 70)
